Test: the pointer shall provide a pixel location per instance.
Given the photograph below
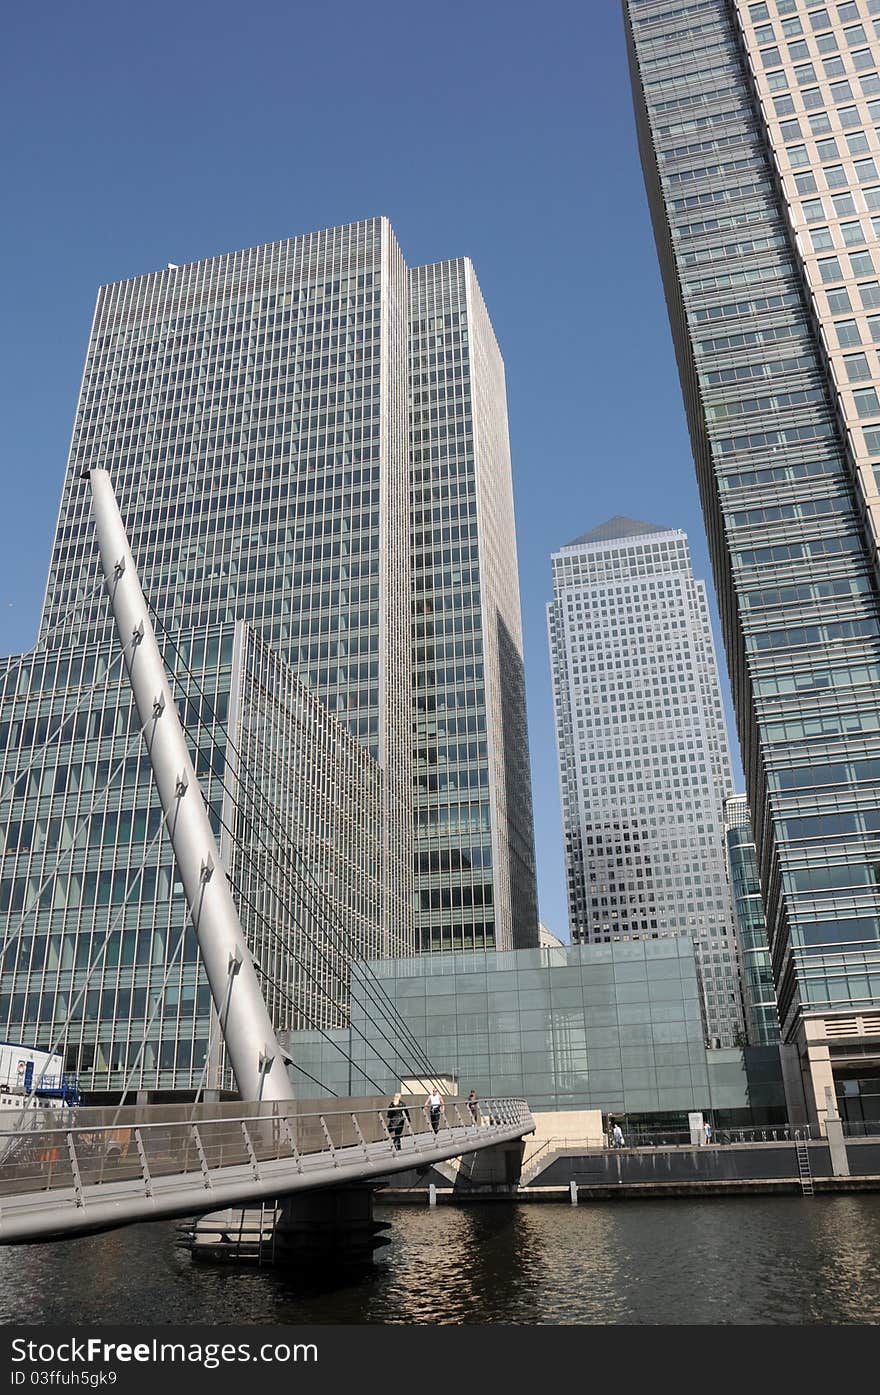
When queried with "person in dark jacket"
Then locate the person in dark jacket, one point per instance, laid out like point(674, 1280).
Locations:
point(397, 1119)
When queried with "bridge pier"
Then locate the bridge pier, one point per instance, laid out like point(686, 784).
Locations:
point(329, 1229)
point(492, 1170)
point(332, 1228)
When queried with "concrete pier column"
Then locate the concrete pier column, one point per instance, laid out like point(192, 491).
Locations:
point(834, 1134)
point(332, 1228)
point(816, 1064)
point(495, 1169)
point(793, 1082)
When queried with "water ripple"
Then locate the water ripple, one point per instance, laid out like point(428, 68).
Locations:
point(734, 1260)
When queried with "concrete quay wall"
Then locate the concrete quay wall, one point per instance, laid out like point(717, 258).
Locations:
point(730, 1169)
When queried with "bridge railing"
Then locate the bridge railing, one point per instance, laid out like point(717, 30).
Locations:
point(91, 1147)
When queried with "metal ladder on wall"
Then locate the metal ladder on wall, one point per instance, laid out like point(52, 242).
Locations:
point(804, 1171)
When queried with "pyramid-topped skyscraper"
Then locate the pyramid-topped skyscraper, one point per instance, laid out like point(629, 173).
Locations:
point(644, 761)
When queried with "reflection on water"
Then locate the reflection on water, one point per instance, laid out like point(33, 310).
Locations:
point(736, 1260)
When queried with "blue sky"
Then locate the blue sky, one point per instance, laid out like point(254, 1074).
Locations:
point(138, 135)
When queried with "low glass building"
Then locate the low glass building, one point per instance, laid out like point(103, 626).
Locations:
point(615, 1027)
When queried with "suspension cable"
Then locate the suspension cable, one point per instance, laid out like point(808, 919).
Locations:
point(315, 906)
point(345, 958)
point(279, 938)
point(344, 954)
point(61, 1034)
point(126, 1084)
point(14, 933)
point(40, 750)
point(63, 620)
point(201, 1085)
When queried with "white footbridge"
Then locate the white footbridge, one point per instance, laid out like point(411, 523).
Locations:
point(109, 1167)
point(69, 1172)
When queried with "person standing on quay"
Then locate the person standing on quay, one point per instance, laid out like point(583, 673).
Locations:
point(617, 1137)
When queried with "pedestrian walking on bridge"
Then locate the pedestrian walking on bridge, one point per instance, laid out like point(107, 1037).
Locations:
point(434, 1108)
point(397, 1118)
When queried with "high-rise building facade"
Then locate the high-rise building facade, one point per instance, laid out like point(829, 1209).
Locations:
point(474, 842)
point(757, 127)
point(759, 992)
point(644, 762)
point(253, 411)
point(302, 835)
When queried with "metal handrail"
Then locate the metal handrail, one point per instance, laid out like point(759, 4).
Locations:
point(861, 1128)
point(765, 1133)
point(130, 1147)
point(671, 1138)
point(499, 1109)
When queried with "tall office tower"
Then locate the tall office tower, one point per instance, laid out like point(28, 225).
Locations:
point(757, 127)
point(475, 858)
point(759, 993)
point(252, 412)
point(643, 757)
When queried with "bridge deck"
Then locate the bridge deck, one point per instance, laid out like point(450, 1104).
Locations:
point(59, 1179)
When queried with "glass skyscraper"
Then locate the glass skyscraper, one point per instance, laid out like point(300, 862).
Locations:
point(757, 127)
point(759, 993)
point(253, 411)
point(644, 762)
point(475, 858)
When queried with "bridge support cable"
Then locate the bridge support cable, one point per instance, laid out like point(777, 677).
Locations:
point(279, 939)
point(256, 1057)
point(82, 822)
point(273, 817)
point(204, 1076)
point(63, 622)
point(335, 938)
point(310, 1022)
point(269, 814)
point(61, 1034)
point(39, 751)
point(388, 1009)
point(276, 934)
point(297, 1006)
point(131, 1070)
point(348, 961)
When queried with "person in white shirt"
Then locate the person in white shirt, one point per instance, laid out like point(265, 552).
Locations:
point(433, 1108)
